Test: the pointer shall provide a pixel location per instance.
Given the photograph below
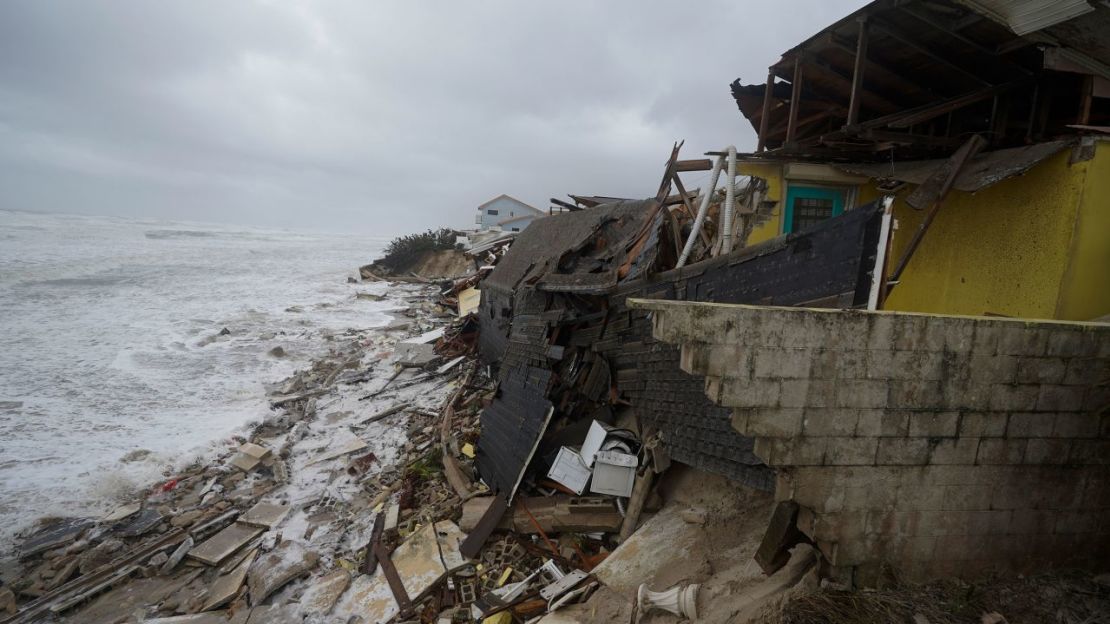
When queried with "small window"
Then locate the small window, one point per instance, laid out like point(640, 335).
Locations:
point(516, 229)
point(491, 211)
point(511, 214)
point(807, 206)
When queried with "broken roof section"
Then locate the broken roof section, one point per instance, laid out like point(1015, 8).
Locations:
point(917, 76)
point(980, 172)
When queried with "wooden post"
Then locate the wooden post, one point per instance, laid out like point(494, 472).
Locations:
point(1033, 113)
point(876, 295)
point(1086, 94)
point(765, 116)
point(857, 73)
point(795, 96)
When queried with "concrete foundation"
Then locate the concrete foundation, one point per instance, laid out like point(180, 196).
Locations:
point(938, 445)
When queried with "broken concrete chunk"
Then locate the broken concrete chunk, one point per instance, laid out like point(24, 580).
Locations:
point(276, 568)
point(221, 545)
point(253, 450)
point(421, 561)
point(415, 355)
point(58, 534)
point(245, 462)
point(226, 587)
point(177, 555)
point(265, 515)
point(121, 512)
point(321, 595)
point(144, 521)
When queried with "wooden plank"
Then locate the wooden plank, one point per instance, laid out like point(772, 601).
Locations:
point(950, 170)
point(396, 585)
point(857, 73)
point(765, 114)
point(370, 561)
point(699, 164)
point(926, 50)
point(1086, 95)
point(795, 97)
point(473, 543)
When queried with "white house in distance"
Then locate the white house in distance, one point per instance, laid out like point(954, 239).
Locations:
point(506, 214)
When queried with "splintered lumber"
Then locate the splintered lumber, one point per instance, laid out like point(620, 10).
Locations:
point(265, 515)
point(96, 581)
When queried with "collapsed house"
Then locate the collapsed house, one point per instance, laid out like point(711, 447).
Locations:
point(930, 168)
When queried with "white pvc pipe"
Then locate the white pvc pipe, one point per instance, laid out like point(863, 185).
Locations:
point(702, 211)
point(730, 201)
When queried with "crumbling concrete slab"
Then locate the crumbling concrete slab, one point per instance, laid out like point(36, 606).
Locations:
point(221, 545)
point(321, 595)
point(254, 450)
point(415, 355)
point(226, 587)
point(121, 512)
point(265, 515)
point(146, 520)
point(245, 462)
point(209, 617)
point(58, 534)
point(273, 570)
point(420, 562)
point(660, 541)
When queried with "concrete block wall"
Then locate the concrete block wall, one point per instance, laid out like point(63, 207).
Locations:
point(939, 445)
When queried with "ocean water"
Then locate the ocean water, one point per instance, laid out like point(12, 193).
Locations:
point(110, 345)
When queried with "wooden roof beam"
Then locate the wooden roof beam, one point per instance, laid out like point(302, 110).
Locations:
point(896, 77)
point(946, 28)
point(873, 99)
point(926, 50)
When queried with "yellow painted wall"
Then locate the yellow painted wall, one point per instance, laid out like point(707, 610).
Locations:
point(772, 172)
point(1035, 246)
point(1085, 291)
point(1002, 250)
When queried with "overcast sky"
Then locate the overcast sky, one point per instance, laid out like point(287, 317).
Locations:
point(380, 117)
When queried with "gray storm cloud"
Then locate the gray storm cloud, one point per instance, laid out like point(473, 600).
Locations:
point(381, 117)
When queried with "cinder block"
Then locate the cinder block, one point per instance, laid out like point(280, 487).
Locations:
point(774, 423)
point(985, 340)
point(753, 393)
point(917, 365)
point(1053, 398)
point(959, 334)
point(862, 393)
point(908, 333)
point(851, 451)
point(1076, 425)
point(1085, 371)
point(1078, 521)
point(1041, 370)
point(967, 497)
point(915, 394)
point(881, 497)
point(1071, 343)
point(954, 451)
point(1030, 425)
point(1013, 398)
point(1047, 451)
point(902, 451)
point(830, 422)
point(1018, 339)
point(852, 364)
point(1090, 452)
point(934, 424)
point(823, 363)
point(1032, 522)
point(880, 332)
point(781, 363)
point(990, 369)
point(820, 393)
point(1097, 399)
point(983, 424)
point(992, 522)
point(1000, 451)
point(869, 423)
point(880, 365)
point(800, 451)
point(794, 393)
point(895, 423)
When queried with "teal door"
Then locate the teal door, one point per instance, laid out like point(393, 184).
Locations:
point(809, 205)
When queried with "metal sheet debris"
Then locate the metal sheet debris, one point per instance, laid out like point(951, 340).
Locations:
point(614, 473)
point(570, 470)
